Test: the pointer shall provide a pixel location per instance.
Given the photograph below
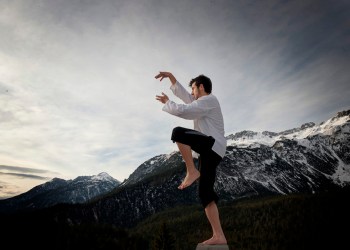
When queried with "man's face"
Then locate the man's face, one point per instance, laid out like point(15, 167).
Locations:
point(195, 91)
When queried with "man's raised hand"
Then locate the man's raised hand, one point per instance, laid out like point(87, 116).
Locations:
point(163, 74)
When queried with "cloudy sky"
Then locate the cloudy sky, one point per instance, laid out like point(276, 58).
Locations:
point(77, 86)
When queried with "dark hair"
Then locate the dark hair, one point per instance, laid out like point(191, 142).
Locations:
point(202, 79)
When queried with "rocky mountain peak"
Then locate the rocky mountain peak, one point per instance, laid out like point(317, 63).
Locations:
point(343, 113)
point(55, 191)
point(308, 159)
point(307, 125)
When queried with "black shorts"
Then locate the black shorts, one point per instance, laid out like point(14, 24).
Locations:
point(208, 160)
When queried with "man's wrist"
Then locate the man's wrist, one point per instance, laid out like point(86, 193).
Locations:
point(172, 80)
point(173, 86)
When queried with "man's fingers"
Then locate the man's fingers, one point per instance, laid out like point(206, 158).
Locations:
point(162, 75)
point(162, 98)
point(165, 97)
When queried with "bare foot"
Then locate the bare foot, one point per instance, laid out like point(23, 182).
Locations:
point(189, 179)
point(215, 241)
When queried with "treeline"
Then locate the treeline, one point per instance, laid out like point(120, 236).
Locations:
point(301, 221)
point(40, 230)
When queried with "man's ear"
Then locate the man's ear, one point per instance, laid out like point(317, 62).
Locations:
point(201, 87)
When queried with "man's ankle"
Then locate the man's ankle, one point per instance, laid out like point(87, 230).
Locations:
point(192, 172)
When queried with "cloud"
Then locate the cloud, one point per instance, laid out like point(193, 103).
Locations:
point(29, 176)
point(16, 180)
point(23, 172)
point(292, 65)
point(77, 84)
point(8, 190)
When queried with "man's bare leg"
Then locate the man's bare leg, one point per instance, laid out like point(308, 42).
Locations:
point(213, 216)
point(192, 174)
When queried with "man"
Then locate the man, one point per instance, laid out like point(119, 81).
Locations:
point(207, 139)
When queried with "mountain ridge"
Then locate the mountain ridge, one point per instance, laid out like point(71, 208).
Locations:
point(309, 159)
point(306, 163)
point(57, 190)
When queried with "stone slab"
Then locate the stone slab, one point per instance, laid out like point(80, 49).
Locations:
point(201, 246)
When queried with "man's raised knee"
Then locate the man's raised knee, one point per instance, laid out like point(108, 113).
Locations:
point(177, 133)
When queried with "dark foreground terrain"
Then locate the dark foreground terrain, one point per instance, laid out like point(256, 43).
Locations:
point(299, 221)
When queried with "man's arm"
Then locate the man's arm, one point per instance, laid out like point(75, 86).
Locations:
point(194, 110)
point(182, 93)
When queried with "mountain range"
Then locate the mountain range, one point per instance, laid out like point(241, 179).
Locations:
point(56, 191)
point(308, 159)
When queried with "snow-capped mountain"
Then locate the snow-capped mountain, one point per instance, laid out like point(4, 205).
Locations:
point(308, 159)
point(249, 138)
point(79, 190)
point(151, 167)
point(305, 159)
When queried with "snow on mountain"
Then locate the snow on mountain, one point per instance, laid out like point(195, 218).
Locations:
point(304, 158)
point(79, 190)
point(148, 168)
point(248, 138)
point(103, 177)
point(308, 159)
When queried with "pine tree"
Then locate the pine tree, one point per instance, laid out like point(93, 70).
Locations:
point(164, 239)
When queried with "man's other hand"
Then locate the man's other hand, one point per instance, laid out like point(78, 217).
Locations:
point(162, 98)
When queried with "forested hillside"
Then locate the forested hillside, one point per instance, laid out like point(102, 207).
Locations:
point(301, 221)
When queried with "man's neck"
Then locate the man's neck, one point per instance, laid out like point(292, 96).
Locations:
point(204, 94)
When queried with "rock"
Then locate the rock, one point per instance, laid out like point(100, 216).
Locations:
point(201, 246)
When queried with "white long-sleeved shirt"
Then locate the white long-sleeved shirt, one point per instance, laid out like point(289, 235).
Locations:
point(205, 113)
